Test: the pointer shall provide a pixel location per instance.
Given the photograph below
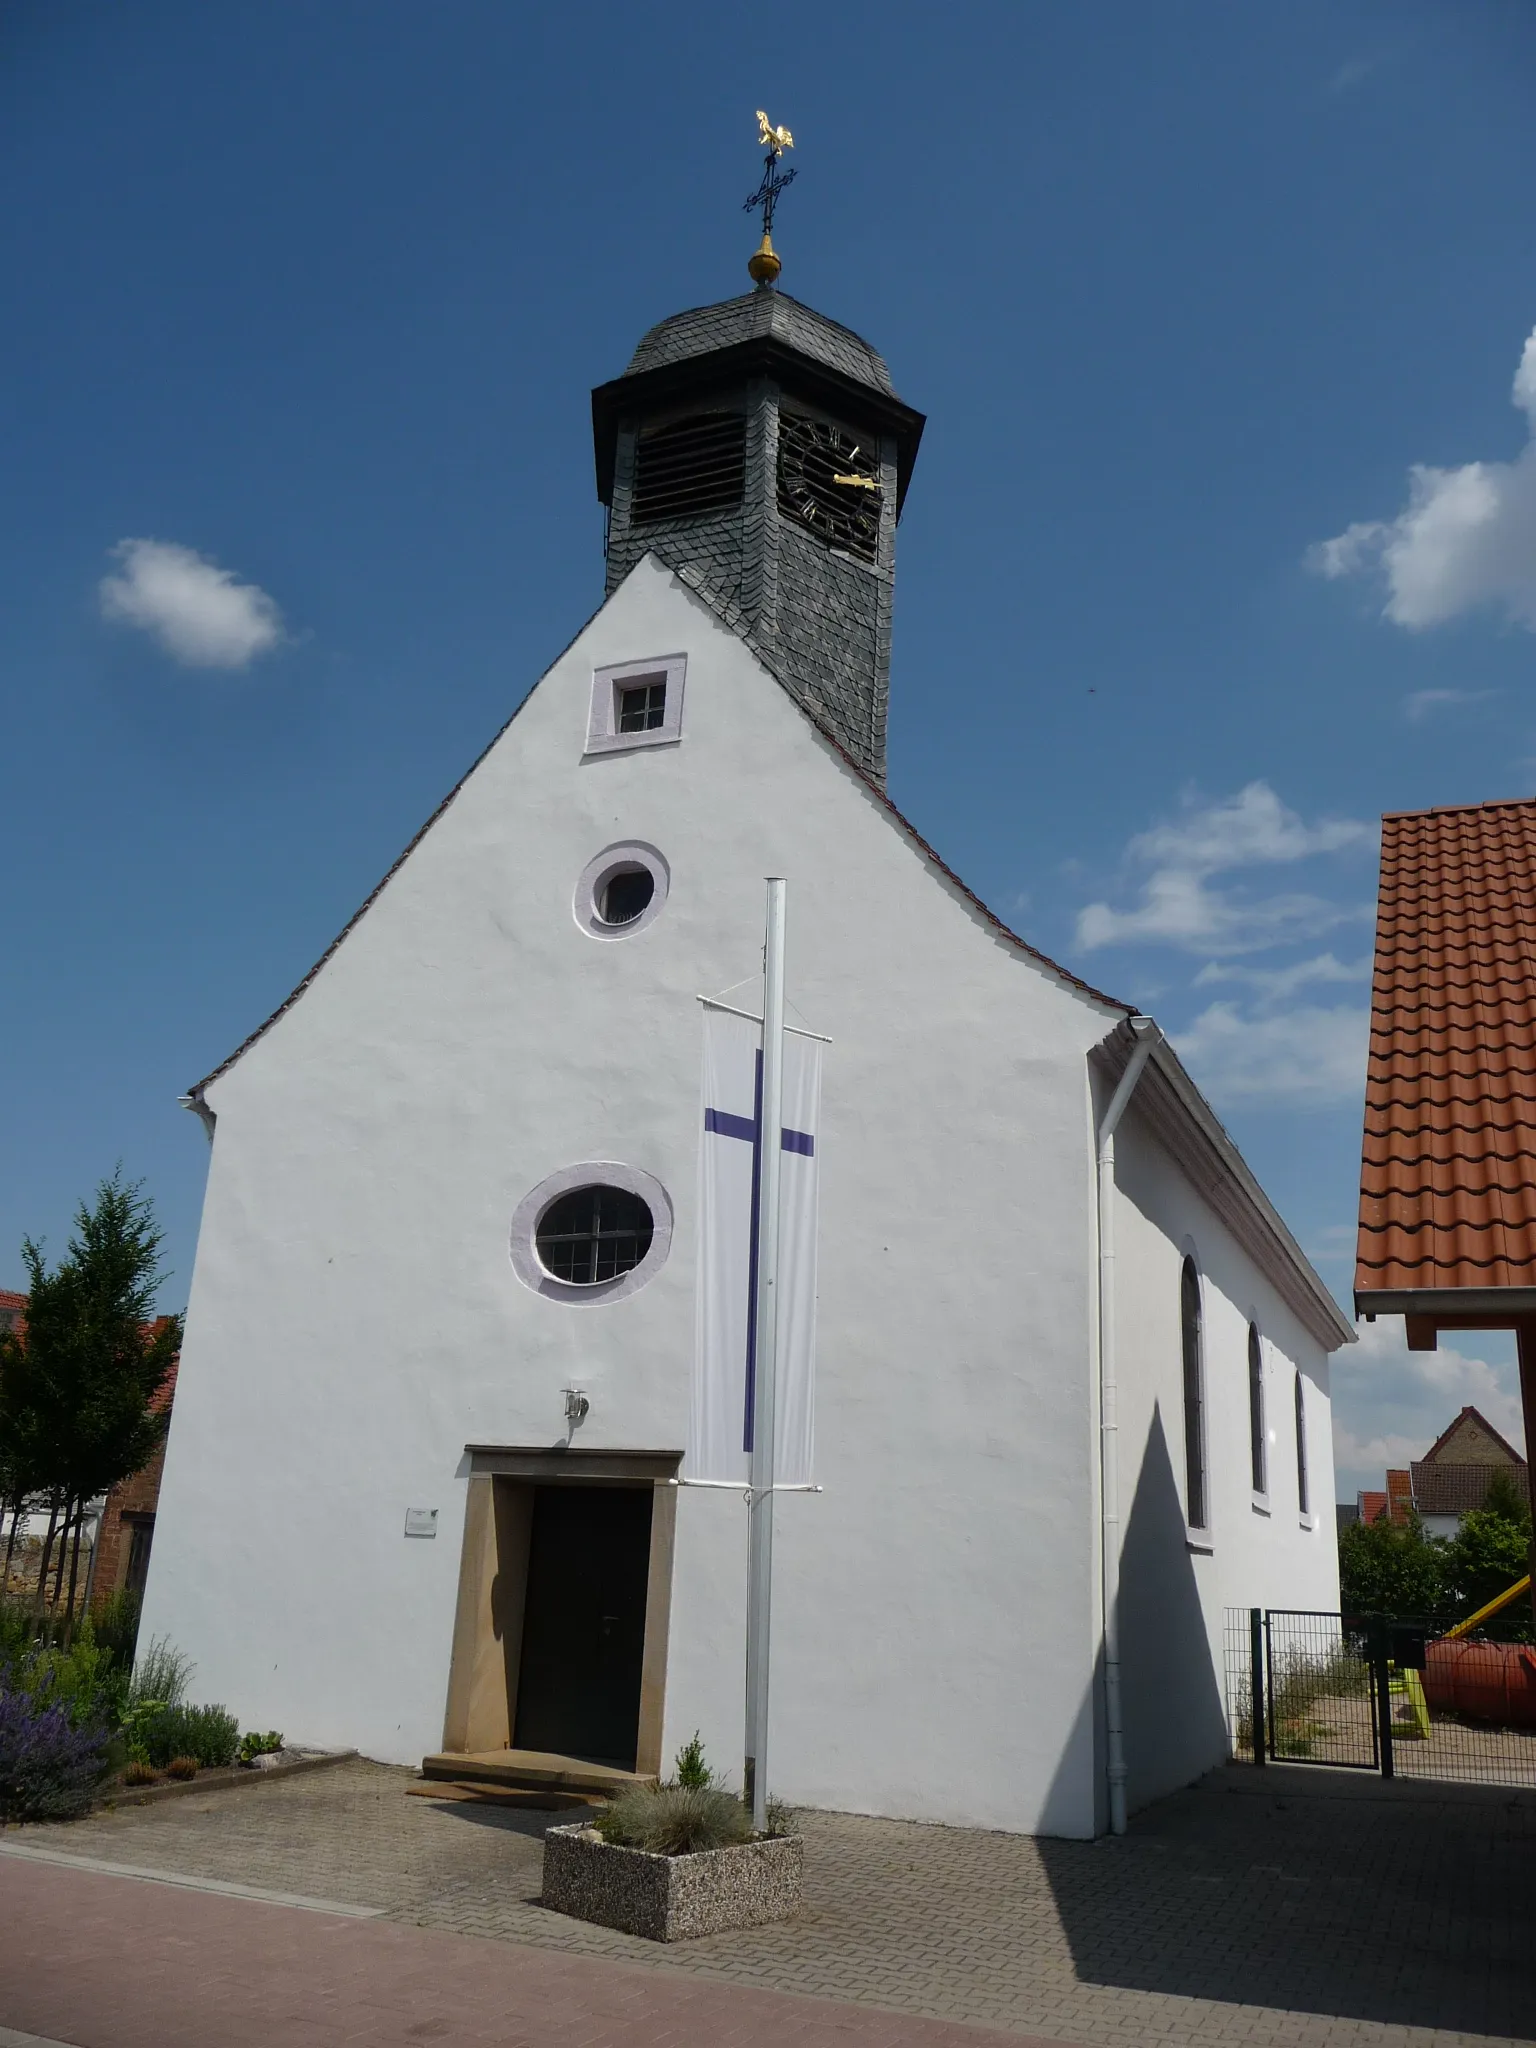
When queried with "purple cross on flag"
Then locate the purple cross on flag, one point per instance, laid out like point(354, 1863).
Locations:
point(730, 1170)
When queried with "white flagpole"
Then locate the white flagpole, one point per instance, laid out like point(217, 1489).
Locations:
point(765, 1323)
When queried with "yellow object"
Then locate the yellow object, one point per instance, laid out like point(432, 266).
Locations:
point(769, 137)
point(1510, 1593)
point(1408, 1686)
point(764, 266)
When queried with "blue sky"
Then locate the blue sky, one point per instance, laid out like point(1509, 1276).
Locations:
point(1221, 542)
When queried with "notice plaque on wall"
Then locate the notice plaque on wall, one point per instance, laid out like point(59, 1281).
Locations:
point(421, 1521)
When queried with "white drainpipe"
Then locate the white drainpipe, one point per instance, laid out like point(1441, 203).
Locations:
point(1147, 1037)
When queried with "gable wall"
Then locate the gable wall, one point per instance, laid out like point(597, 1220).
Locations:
point(1468, 1443)
point(355, 1321)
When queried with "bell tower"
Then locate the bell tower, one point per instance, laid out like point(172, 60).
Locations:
point(759, 450)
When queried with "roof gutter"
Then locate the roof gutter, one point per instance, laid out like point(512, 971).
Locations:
point(1147, 1037)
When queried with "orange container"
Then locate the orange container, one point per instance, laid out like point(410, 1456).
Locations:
point(1493, 1682)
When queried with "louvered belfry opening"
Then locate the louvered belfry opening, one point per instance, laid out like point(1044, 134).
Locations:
point(690, 467)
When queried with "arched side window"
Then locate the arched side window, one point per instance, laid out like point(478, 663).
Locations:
point(1194, 1396)
point(1302, 1496)
point(1256, 1440)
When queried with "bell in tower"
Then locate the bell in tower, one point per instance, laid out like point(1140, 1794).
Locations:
point(758, 449)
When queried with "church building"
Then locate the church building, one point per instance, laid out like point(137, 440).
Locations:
point(426, 1491)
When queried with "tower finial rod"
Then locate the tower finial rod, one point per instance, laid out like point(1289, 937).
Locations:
point(764, 266)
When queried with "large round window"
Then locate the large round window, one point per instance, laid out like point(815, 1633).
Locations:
point(589, 1233)
point(593, 1234)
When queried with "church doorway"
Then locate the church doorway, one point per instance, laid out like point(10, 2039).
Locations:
point(583, 1647)
point(565, 1594)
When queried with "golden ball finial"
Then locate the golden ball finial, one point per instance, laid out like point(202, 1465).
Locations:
point(763, 266)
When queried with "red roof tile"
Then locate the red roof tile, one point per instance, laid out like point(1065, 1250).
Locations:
point(1448, 1166)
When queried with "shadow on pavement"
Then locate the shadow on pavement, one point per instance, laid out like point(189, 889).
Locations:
point(1312, 1892)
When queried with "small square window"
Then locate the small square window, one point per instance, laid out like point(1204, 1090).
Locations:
point(636, 704)
point(642, 706)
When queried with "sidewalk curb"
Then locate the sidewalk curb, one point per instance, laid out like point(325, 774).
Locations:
point(235, 1778)
point(179, 1880)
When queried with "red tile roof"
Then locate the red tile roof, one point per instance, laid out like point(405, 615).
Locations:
point(1448, 1168)
point(1373, 1507)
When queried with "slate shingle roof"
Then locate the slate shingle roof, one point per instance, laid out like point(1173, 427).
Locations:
point(1448, 1167)
point(756, 316)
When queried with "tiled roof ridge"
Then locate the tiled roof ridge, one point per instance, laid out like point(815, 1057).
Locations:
point(1502, 803)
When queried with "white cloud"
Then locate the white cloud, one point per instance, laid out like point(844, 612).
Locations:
point(1178, 905)
point(1466, 537)
point(1307, 1058)
point(1421, 704)
point(197, 611)
point(1390, 1403)
point(1274, 985)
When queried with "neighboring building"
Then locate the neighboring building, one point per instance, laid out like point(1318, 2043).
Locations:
point(126, 1530)
point(13, 1309)
point(512, 1021)
point(1394, 1504)
point(1447, 1233)
point(1454, 1474)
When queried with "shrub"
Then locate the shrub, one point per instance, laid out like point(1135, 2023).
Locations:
point(116, 1623)
point(161, 1674)
point(18, 1634)
point(692, 1771)
point(1387, 1568)
point(253, 1745)
point(183, 1767)
point(84, 1680)
point(137, 1772)
point(157, 1732)
point(1483, 1559)
point(675, 1820)
point(49, 1769)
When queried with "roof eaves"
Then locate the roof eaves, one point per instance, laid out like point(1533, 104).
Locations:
point(1201, 1145)
point(194, 1095)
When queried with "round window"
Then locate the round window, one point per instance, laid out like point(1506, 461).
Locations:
point(621, 890)
point(593, 1234)
point(625, 895)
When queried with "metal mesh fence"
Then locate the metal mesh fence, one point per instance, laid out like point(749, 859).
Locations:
point(1319, 1696)
point(1403, 1696)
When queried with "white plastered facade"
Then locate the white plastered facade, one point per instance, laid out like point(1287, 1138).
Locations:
point(356, 1322)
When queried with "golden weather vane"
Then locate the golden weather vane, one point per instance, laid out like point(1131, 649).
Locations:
point(764, 266)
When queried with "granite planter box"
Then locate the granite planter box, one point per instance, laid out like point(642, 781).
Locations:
point(670, 1898)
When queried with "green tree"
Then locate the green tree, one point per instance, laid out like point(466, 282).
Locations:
point(1505, 1498)
point(78, 1382)
point(1390, 1568)
point(1488, 1553)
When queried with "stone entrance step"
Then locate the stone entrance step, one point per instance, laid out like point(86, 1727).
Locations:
point(568, 1778)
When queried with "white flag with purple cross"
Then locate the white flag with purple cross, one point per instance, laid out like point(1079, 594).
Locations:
point(730, 1166)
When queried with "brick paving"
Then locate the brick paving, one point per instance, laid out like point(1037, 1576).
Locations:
point(103, 1962)
point(1302, 1908)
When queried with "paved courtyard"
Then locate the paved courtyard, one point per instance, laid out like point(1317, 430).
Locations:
point(1293, 1907)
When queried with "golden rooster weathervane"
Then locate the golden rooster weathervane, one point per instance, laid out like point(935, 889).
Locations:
point(764, 266)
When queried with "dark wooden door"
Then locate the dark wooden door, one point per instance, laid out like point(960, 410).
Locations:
point(578, 1684)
